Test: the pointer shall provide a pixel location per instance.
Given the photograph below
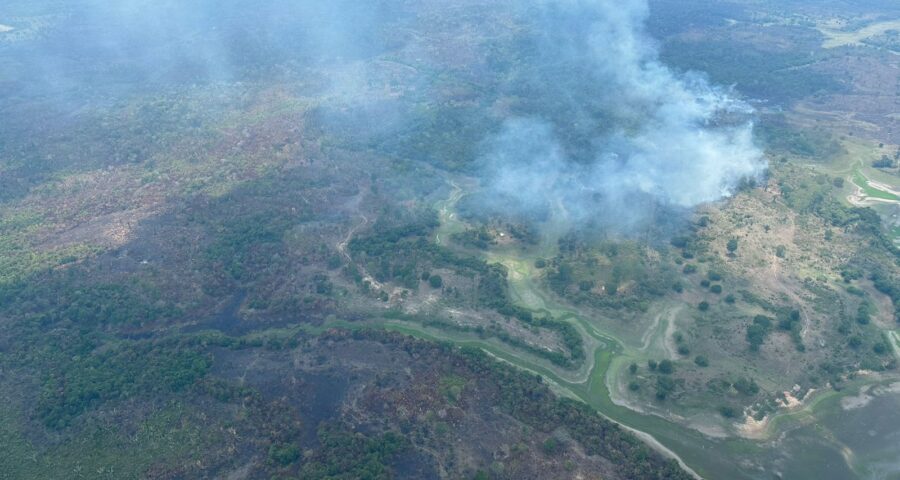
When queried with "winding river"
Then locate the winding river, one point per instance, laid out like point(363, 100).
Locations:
point(829, 438)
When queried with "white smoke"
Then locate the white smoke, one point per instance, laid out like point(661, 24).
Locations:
point(678, 141)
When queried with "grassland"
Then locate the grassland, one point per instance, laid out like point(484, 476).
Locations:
point(835, 38)
point(873, 189)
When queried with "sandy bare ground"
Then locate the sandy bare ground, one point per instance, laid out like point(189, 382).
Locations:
point(838, 38)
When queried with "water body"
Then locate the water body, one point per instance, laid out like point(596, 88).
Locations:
point(864, 429)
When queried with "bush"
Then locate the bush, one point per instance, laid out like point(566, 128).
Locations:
point(284, 454)
point(883, 162)
point(758, 330)
point(666, 367)
point(728, 411)
point(540, 263)
point(704, 306)
point(701, 361)
point(550, 446)
point(436, 281)
point(689, 269)
point(864, 314)
point(717, 289)
point(664, 386)
point(746, 386)
point(732, 245)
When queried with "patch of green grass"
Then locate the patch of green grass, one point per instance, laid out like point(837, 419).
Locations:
point(100, 451)
point(452, 387)
point(860, 179)
point(17, 260)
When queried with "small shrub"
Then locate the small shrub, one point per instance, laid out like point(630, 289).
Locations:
point(284, 454)
point(550, 446)
point(666, 367)
point(732, 245)
point(746, 386)
point(728, 411)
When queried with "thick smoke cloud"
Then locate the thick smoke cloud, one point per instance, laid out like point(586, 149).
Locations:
point(664, 141)
point(600, 130)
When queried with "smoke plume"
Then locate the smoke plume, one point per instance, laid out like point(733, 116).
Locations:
point(655, 139)
point(597, 129)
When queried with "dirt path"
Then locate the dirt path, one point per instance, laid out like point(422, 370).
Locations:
point(446, 213)
point(895, 343)
point(662, 332)
point(669, 338)
point(651, 331)
point(342, 245)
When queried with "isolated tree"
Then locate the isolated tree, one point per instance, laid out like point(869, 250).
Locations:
point(666, 367)
point(883, 162)
point(732, 246)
